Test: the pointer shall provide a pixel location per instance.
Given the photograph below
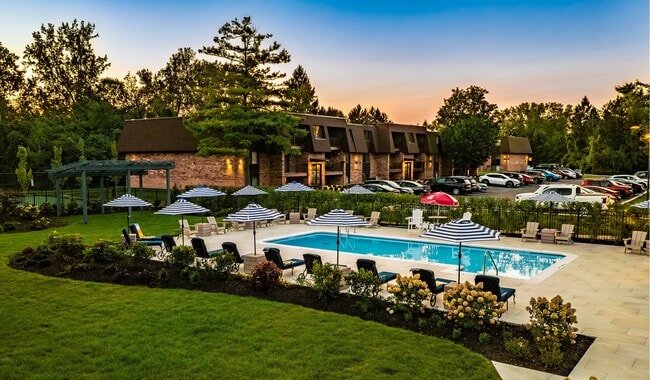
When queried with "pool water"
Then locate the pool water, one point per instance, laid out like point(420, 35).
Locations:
point(510, 263)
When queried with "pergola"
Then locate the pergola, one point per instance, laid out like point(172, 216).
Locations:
point(103, 169)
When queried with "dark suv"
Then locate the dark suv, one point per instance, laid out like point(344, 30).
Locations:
point(453, 185)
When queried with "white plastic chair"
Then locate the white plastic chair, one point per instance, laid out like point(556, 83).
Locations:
point(416, 220)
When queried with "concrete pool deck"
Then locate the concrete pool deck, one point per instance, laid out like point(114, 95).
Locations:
point(609, 290)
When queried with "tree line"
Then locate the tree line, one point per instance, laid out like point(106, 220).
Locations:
point(57, 106)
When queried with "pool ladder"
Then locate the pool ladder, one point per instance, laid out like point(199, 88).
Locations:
point(485, 256)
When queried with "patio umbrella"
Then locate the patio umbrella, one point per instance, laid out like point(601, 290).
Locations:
point(253, 213)
point(248, 190)
point(202, 192)
point(439, 199)
point(294, 187)
point(338, 218)
point(356, 190)
point(182, 207)
point(128, 201)
point(460, 231)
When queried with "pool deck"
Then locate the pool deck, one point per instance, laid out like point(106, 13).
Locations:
point(608, 289)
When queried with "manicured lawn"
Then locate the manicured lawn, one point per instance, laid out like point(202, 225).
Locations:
point(58, 328)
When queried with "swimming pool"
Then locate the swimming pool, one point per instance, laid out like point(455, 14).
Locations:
point(510, 262)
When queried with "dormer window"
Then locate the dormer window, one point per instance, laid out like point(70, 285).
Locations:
point(318, 132)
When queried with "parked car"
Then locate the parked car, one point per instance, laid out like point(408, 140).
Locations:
point(567, 173)
point(578, 173)
point(575, 192)
point(483, 187)
point(499, 179)
point(453, 185)
point(379, 188)
point(520, 177)
point(417, 188)
point(550, 167)
point(631, 178)
point(401, 189)
point(643, 174)
point(623, 190)
point(636, 187)
point(604, 190)
point(472, 181)
point(536, 176)
point(551, 177)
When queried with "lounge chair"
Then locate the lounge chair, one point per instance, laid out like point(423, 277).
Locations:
point(491, 284)
point(215, 226)
point(373, 219)
point(310, 259)
point(186, 229)
point(168, 245)
point(202, 251)
point(565, 234)
point(150, 243)
point(416, 220)
point(273, 254)
point(371, 266)
point(636, 242)
point(237, 226)
point(311, 214)
point(530, 232)
point(139, 236)
point(231, 247)
point(436, 285)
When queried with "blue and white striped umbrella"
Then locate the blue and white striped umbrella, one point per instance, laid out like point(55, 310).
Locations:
point(338, 218)
point(127, 201)
point(182, 207)
point(294, 187)
point(644, 204)
point(249, 190)
point(202, 192)
point(252, 213)
point(461, 231)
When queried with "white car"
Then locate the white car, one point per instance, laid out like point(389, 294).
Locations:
point(499, 180)
point(630, 177)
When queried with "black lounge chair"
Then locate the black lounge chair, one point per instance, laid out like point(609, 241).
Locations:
point(231, 247)
point(370, 265)
point(436, 285)
point(273, 254)
point(491, 283)
point(150, 243)
point(202, 251)
point(310, 259)
point(168, 246)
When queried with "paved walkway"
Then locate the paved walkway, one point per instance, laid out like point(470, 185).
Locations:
point(608, 289)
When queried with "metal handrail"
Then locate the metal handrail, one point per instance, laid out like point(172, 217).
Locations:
point(489, 254)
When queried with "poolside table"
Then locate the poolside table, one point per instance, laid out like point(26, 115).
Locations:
point(548, 235)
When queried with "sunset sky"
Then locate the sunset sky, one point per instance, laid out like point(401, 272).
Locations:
point(404, 57)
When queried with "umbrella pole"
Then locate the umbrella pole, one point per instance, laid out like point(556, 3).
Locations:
point(460, 255)
point(254, 239)
point(338, 233)
point(182, 231)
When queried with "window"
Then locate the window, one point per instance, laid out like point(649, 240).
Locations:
point(318, 131)
point(410, 138)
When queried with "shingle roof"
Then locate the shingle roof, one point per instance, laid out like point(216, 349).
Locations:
point(515, 145)
point(156, 135)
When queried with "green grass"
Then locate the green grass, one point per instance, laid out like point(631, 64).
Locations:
point(58, 328)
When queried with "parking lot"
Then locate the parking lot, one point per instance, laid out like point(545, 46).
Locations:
point(510, 192)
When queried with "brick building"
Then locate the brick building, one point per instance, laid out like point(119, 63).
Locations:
point(334, 153)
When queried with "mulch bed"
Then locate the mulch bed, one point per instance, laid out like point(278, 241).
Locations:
point(146, 273)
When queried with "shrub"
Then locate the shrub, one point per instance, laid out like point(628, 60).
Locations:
point(222, 266)
point(29, 212)
point(364, 283)
point(552, 325)
point(47, 209)
point(68, 248)
point(140, 252)
point(484, 338)
point(39, 224)
point(471, 307)
point(326, 280)
point(181, 256)
point(103, 251)
point(517, 346)
point(408, 294)
point(266, 275)
point(190, 275)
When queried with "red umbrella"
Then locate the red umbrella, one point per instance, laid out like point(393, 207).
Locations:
point(439, 199)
